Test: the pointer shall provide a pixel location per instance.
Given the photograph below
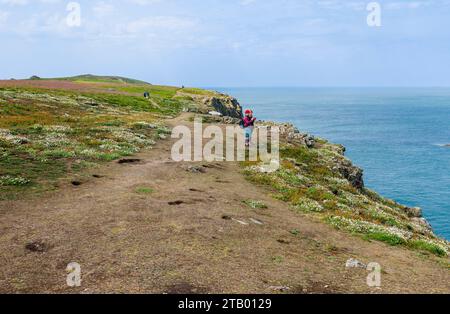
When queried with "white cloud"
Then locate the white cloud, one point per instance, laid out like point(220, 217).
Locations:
point(14, 2)
point(166, 23)
point(3, 17)
point(102, 9)
point(25, 2)
point(407, 5)
point(246, 2)
point(144, 2)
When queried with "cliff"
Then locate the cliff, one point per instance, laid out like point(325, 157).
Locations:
point(316, 178)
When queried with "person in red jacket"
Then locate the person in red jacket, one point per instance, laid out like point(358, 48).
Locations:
point(248, 123)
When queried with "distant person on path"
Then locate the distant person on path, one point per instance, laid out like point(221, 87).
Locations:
point(248, 123)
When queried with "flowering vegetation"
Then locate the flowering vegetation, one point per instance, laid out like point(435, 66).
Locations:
point(47, 135)
point(309, 180)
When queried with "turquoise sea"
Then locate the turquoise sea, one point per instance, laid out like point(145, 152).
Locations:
point(396, 135)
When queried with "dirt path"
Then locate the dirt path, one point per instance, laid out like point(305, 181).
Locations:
point(180, 238)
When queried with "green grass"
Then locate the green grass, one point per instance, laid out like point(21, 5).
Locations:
point(277, 259)
point(46, 135)
point(429, 247)
point(255, 204)
point(166, 92)
point(309, 182)
point(13, 181)
point(198, 91)
point(144, 190)
point(295, 232)
point(390, 239)
point(98, 78)
point(49, 134)
point(319, 194)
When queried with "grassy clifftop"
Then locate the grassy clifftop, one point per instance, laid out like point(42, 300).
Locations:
point(53, 129)
point(316, 179)
point(89, 78)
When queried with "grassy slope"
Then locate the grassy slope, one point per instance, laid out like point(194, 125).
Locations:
point(101, 79)
point(50, 134)
point(309, 182)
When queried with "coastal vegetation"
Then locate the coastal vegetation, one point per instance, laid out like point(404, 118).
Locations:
point(52, 131)
point(311, 179)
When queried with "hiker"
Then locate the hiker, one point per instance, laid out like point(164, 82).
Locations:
point(248, 123)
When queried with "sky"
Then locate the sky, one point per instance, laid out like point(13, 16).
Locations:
point(230, 43)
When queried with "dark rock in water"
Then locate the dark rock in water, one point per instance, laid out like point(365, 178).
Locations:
point(447, 145)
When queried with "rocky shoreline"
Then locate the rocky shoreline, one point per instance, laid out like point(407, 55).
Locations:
point(317, 178)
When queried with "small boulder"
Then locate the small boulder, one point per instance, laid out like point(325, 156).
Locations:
point(38, 247)
point(279, 288)
point(196, 169)
point(413, 212)
point(354, 263)
point(423, 222)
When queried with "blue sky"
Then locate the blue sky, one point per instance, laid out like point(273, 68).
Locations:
point(231, 42)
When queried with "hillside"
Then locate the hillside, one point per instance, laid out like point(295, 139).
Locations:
point(148, 224)
point(89, 78)
point(54, 128)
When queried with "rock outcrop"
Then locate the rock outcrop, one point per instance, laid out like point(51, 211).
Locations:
point(353, 174)
point(413, 212)
point(226, 105)
point(291, 134)
point(315, 177)
point(222, 104)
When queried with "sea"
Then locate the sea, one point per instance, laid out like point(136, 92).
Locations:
point(397, 135)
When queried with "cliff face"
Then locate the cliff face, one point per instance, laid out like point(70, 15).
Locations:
point(226, 105)
point(205, 103)
point(316, 178)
